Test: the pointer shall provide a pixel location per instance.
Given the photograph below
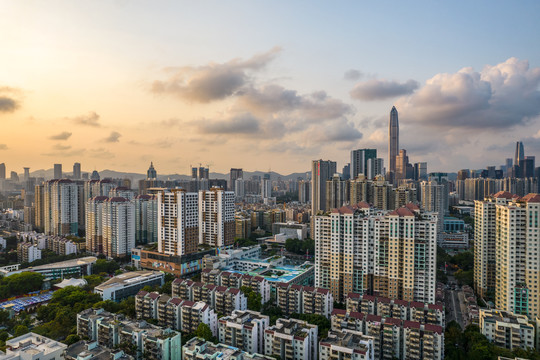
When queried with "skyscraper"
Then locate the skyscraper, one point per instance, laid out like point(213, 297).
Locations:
point(321, 171)
point(2, 171)
point(76, 171)
point(57, 171)
point(393, 139)
point(26, 173)
point(151, 174)
point(360, 162)
point(118, 227)
point(520, 153)
point(233, 175)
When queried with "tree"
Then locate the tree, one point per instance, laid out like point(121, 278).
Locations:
point(105, 266)
point(272, 311)
point(72, 339)
point(204, 331)
point(322, 322)
point(254, 299)
point(20, 330)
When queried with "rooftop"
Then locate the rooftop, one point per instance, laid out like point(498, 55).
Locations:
point(34, 345)
point(129, 277)
point(68, 263)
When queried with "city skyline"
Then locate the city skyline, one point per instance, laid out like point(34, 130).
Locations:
point(101, 84)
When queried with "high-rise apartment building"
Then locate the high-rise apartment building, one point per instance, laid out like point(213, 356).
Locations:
point(321, 171)
point(178, 222)
point(94, 228)
point(336, 192)
point(507, 250)
point(291, 339)
point(216, 217)
point(60, 211)
point(233, 175)
point(118, 227)
point(393, 139)
point(146, 219)
point(77, 171)
point(360, 249)
point(57, 171)
point(266, 186)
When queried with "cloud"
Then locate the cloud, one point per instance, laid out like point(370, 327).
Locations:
point(241, 124)
point(8, 99)
point(500, 96)
point(91, 119)
point(100, 153)
point(382, 89)
point(3, 147)
point(61, 147)
point(275, 100)
point(212, 82)
point(64, 135)
point(113, 137)
point(352, 74)
point(335, 131)
point(66, 151)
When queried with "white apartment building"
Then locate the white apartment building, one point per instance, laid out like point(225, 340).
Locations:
point(244, 330)
point(60, 209)
point(94, 228)
point(33, 346)
point(291, 339)
point(178, 222)
point(118, 227)
point(506, 329)
point(216, 217)
point(359, 249)
point(346, 344)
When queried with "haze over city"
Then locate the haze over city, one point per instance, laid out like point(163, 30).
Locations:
point(115, 85)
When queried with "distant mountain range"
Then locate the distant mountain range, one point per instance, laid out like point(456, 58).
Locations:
point(48, 174)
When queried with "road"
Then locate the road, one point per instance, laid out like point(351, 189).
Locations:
point(454, 305)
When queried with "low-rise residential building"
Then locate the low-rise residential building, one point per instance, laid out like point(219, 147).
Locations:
point(146, 305)
point(200, 349)
point(393, 338)
point(222, 299)
point(506, 329)
point(164, 344)
point(33, 346)
point(27, 252)
point(244, 330)
point(292, 298)
point(236, 280)
point(400, 309)
point(291, 339)
point(128, 284)
point(91, 350)
point(194, 313)
point(346, 344)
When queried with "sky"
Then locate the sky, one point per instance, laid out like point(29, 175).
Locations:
point(265, 84)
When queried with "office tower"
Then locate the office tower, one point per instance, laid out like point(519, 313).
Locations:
point(77, 171)
point(336, 194)
point(146, 219)
point(392, 254)
point(151, 173)
point(359, 162)
point(2, 171)
point(95, 175)
point(527, 166)
point(57, 171)
point(520, 153)
point(508, 165)
point(178, 222)
point(14, 176)
point(321, 171)
point(346, 172)
point(393, 139)
point(26, 176)
point(194, 173)
point(420, 171)
point(304, 191)
point(61, 207)
point(463, 174)
point(233, 175)
point(216, 217)
point(266, 186)
point(94, 228)
point(118, 227)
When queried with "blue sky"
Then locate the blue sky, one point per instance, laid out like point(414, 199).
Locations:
point(134, 81)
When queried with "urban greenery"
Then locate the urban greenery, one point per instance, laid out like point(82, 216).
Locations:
point(49, 257)
point(322, 322)
point(20, 284)
point(300, 246)
point(254, 299)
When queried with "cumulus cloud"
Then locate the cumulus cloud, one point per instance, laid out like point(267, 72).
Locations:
point(91, 119)
point(113, 137)
point(240, 124)
point(499, 96)
point(275, 100)
point(64, 135)
point(352, 74)
point(336, 131)
point(9, 99)
point(382, 89)
point(215, 81)
point(3, 147)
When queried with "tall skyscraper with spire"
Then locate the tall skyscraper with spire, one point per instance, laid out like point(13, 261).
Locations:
point(393, 139)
